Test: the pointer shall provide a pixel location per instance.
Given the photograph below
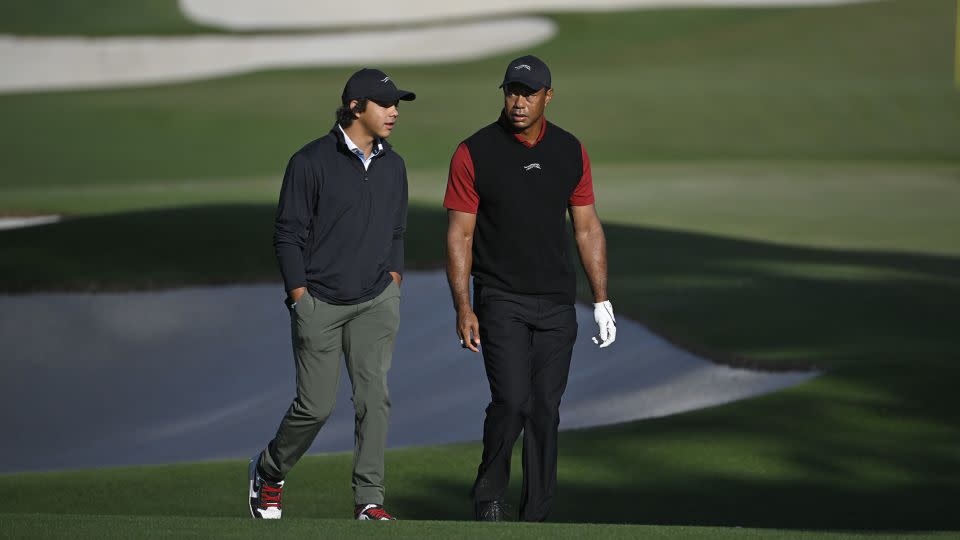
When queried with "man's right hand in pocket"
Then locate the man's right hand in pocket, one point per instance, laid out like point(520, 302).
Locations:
point(297, 293)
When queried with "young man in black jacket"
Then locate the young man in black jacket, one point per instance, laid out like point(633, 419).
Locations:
point(510, 189)
point(339, 236)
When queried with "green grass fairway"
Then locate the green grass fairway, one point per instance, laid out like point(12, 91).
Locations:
point(859, 82)
point(825, 456)
point(781, 188)
point(871, 445)
point(867, 205)
point(100, 18)
point(85, 526)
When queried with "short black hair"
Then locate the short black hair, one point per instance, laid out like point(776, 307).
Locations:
point(346, 115)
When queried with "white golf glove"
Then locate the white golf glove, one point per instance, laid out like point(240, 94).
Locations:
point(606, 322)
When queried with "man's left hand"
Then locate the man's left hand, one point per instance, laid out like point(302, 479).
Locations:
point(603, 315)
point(396, 278)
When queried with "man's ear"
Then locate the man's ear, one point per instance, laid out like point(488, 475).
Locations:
point(549, 96)
point(353, 107)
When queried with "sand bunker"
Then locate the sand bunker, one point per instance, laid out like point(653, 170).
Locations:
point(26, 221)
point(195, 374)
point(44, 63)
point(34, 63)
point(255, 14)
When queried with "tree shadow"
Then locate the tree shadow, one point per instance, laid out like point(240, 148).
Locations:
point(784, 306)
point(793, 460)
point(744, 302)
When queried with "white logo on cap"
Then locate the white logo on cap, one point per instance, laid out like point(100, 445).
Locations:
point(523, 66)
point(531, 166)
point(385, 79)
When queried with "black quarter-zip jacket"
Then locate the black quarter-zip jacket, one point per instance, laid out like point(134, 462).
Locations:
point(339, 229)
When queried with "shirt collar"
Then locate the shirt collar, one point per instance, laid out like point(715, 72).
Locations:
point(377, 148)
point(543, 131)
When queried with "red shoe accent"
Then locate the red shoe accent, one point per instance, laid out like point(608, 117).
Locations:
point(269, 495)
point(376, 513)
point(379, 514)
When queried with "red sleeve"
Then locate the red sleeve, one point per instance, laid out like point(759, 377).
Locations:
point(583, 194)
point(461, 191)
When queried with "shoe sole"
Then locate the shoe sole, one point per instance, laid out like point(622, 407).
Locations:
point(251, 477)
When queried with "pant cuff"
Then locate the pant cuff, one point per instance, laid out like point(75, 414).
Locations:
point(368, 496)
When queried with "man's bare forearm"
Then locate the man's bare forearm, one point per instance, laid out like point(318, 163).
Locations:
point(460, 227)
point(459, 262)
point(592, 245)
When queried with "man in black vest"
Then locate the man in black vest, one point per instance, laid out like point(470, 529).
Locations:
point(510, 188)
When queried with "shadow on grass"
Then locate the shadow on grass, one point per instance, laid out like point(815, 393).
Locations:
point(202, 245)
point(741, 301)
point(871, 445)
point(784, 306)
point(851, 450)
point(808, 458)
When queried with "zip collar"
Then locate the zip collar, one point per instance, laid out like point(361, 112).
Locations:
point(337, 132)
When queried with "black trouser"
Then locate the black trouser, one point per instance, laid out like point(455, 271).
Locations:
point(527, 342)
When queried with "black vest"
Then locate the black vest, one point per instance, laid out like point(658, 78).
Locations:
point(520, 243)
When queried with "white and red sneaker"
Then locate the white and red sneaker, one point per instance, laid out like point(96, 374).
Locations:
point(265, 496)
point(371, 512)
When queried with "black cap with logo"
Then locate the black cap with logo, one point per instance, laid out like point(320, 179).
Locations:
point(373, 84)
point(528, 70)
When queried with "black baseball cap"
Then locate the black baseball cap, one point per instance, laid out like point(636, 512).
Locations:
point(373, 84)
point(528, 70)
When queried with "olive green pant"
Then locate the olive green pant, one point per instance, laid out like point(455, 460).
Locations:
point(364, 333)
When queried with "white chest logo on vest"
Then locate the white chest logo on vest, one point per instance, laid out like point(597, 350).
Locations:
point(531, 166)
